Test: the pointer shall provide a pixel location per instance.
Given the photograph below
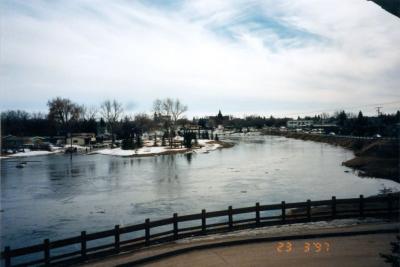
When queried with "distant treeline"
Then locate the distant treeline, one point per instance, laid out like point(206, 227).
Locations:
point(347, 123)
point(65, 117)
point(383, 124)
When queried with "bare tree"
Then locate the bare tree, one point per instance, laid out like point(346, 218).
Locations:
point(63, 111)
point(177, 110)
point(324, 116)
point(143, 122)
point(111, 111)
point(157, 106)
point(170, 108)
point(89, 113)
point(171, 111)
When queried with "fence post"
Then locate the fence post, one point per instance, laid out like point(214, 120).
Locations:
point(7, 256)
point(361, 206)
point(116, 238)
point(230, 218)
point(46, 250)
point(390, 205)
point(309, 209)
point(283, 206)
point(203, 221)
point(333, 207)
point(258, 214)
point(147, 232)
point(83, 244)
point(175, 220)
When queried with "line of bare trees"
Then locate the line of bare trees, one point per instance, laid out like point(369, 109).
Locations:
point(68, 117)
point(65, 113)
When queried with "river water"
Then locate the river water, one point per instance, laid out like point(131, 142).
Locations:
point(57, 197)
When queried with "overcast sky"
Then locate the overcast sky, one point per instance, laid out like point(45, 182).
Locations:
point(243, 57)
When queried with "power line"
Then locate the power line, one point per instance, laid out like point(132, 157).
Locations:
point(378, 105)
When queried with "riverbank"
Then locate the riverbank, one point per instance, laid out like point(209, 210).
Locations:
point(377, 158)
point(204, 146)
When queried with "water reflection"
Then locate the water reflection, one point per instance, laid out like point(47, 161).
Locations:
point(59, 197)
point(188, 157)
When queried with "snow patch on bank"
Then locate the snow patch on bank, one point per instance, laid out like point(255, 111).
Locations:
point(29, 153)
point(135, 152)
point(205, 147)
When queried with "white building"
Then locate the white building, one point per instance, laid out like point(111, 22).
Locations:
point(81, 139)
point(299, 123)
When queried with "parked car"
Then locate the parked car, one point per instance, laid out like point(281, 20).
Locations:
point(377, 136)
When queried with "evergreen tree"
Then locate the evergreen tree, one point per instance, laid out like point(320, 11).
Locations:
point(341, 118)
point(127, 143)
point(360, 116)
point(188, 136)
point(139, 141)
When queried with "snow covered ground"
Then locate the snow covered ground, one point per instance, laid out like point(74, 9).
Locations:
point(244, 134)
point(29, 153)
point(134, 152)
point(206, 146)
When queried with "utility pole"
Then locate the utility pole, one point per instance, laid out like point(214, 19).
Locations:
point(378, 109)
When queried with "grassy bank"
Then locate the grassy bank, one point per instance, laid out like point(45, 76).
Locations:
point(373, 157)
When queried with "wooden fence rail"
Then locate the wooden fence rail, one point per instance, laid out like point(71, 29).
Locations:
point(283, 213)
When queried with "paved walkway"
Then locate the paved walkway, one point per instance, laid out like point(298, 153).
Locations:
point(360, 250)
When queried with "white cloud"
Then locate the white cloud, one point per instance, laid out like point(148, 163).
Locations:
point(135, 53)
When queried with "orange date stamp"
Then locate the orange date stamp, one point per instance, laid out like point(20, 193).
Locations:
point(306, 247)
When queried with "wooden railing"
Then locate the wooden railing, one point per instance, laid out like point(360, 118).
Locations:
point(283, 213)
